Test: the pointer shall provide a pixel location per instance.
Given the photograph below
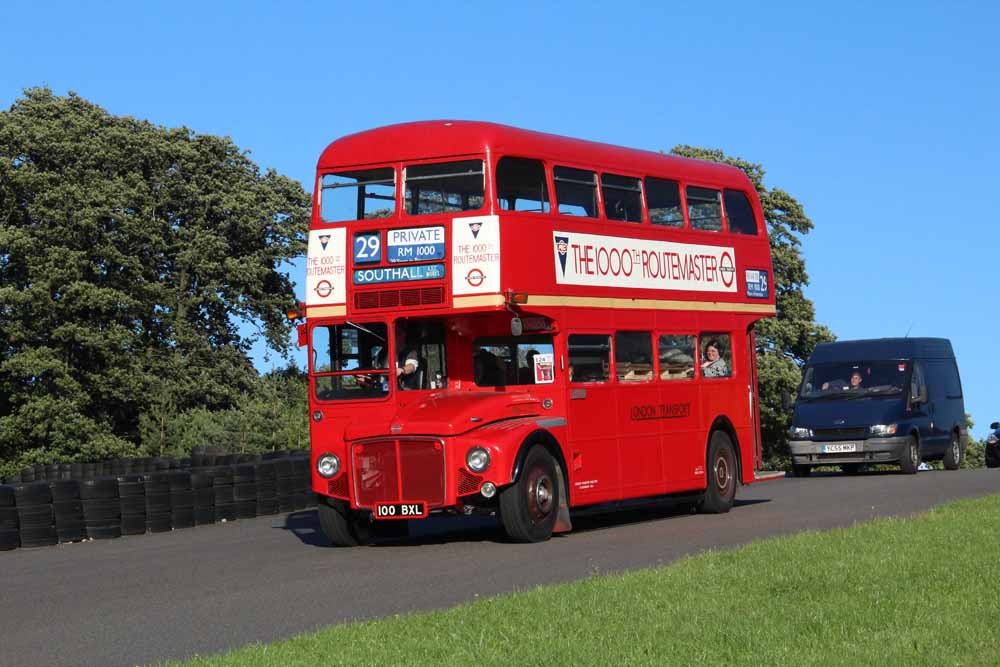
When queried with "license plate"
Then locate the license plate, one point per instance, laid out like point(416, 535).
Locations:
point(840, 448)
point(400, 510)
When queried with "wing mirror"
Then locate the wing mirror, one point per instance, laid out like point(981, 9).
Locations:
point(995, 425)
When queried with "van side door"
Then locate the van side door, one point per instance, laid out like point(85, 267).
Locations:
point(920, 410)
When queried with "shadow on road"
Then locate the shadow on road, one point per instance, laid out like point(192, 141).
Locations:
point(444, 530)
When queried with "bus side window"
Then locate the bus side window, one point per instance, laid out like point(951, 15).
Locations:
point(704, 208)
point(663, 198)
point(676, 357)
point(716, 356)
point(633, 356)
point(589, 357)
point(576, 191)
point(521, 185)
point(740, 213)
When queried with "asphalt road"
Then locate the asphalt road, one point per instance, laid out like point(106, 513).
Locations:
point(148, 598)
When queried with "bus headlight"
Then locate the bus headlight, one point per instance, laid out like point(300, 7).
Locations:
point(478, 459)
point(799, 432)
point(328, 465)
point(882, 429)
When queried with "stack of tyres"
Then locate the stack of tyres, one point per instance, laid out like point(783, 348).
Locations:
point(267, 488)
point(222, 487)
point(301, 496)
point(132, 494)
point(34, 513)
point(245, 490)
point(286, 484)
point(68, 510)
point(181, 499)
point(204, 497)
point(101, 509)
point(9, 523)
point(157, 502)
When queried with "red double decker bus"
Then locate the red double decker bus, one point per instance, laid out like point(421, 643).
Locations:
point(517, 323)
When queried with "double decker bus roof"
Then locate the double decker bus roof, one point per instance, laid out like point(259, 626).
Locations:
point(447, 138)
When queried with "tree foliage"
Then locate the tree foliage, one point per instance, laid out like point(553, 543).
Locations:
point(130, 256)
point(785, 342)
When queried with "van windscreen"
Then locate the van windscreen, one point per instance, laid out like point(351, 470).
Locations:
point(854, 379)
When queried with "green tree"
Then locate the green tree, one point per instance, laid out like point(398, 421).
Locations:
point(130, 256)
point(785, 342)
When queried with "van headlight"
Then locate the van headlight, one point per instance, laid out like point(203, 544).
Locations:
point(328, 465)
point(800, 432)
point(478, 459)
point(882, 429)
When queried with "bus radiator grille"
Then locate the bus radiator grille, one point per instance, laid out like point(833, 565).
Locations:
point(467, 482)
point(392, 298)
point(399, 470)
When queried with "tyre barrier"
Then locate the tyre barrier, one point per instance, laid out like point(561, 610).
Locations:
point(71, 502)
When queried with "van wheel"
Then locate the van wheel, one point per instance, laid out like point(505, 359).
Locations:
point(911, 457)
point(953, 457)
point(721, 491)
point(529, 507)
point(341, 525)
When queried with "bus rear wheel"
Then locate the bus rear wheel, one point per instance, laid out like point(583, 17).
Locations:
point(341, 525)
point(721, 491)
point(529, 507)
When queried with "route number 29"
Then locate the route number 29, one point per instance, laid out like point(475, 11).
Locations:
point(367, 248)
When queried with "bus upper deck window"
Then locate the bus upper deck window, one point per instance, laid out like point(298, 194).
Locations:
point(576, 191)
point(663, 198)
point(358, 195)
point(521, 185)
point(740, 213)
point(704, 208)
point(444, 187)
point(622, 197)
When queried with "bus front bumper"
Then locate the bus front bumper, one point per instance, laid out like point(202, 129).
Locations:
point(870, 450)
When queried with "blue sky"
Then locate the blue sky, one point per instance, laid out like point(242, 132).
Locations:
point(881, 118)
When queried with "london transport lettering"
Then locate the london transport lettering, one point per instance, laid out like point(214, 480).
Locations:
point(611, 261)
point(661, 411)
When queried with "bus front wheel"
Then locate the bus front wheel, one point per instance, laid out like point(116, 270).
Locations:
point(722, 470)
point(342, 526)
point(529, 507)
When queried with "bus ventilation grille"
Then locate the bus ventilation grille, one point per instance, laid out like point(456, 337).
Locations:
point(399, 471)
point(338, 487)
point(392, 298)
point(467, 482)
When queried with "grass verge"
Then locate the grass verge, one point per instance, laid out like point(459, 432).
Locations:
point(917, 591)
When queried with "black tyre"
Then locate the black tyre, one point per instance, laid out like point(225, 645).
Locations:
point(852, 468)
point(102, 511)
point(65, 489)
point(529, 507)
point(182, 518)
point(953, 457)
point(72, 533)
point(225, 512)
point(35, 516)
point(104, 532)
point(7, 496)
point(159, 523)
point(204, 516)
point(342, 526)
point(9, 518)
point(267, 506)
point(801, 471)
point(39, 537)
point(102, 488)
point(246, 509)
point(68, 510)
point(35, 493)
point(9, 539)
point(722, 475)
point(133, 524)
point(910, 462)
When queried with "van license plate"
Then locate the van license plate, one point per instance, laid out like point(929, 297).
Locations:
point(840, 448)
point(400, 510)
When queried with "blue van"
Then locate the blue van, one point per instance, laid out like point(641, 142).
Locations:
point(887, 400)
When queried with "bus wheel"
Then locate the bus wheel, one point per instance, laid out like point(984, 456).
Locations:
point(342, 526)
point(910, 462)
point(721, 491)
point(953, 457)
point(529, 506)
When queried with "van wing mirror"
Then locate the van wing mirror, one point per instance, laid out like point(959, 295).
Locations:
point(995, 425)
